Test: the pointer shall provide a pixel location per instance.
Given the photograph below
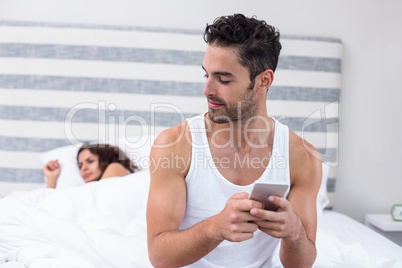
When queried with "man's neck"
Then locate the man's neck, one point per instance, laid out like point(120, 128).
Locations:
point(244, 136)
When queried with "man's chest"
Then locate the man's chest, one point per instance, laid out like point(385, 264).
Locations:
point(241, 168)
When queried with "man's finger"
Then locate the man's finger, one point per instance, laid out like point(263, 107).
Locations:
point(242, 195)
point(281, 202)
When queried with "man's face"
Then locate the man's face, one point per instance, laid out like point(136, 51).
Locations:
point(228, 88)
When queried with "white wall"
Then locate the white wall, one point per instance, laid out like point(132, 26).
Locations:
point(370, 179)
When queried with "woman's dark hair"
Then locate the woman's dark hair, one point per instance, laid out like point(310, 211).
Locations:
point(256, 42)
point(108, 154)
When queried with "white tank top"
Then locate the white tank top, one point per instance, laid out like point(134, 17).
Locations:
point(208, 192)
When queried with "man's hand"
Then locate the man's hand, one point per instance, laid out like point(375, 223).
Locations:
point(283, 223)
point(234, 222)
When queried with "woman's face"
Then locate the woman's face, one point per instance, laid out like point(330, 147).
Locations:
point(88, 163)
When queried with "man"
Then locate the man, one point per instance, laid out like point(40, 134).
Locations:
point(198, 210)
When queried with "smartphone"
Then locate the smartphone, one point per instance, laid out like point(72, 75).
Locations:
point(261, 191)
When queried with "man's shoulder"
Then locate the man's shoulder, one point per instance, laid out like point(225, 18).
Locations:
point(304, 158)
point(174, 139)
point(172, 148)
point(301, 149)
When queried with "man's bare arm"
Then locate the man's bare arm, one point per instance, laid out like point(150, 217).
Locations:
point(300, 251)
point(167, 245)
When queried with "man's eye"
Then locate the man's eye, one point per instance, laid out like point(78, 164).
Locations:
point(205, 76)
point(224, 82)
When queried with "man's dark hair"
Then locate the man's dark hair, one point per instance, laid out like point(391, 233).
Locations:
point(257, 43)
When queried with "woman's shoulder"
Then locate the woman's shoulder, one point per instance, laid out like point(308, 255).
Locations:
point(114, 170)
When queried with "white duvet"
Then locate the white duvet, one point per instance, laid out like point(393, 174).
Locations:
point(102, 224)
point(99, 224)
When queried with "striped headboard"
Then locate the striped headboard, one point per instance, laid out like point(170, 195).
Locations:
point(62, 84)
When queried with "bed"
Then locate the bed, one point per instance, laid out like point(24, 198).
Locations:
point(102, 224)
point(65, 84)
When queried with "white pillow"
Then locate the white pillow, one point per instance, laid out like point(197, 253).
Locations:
point(137, 148)
point(67, 156)
point(322, 198)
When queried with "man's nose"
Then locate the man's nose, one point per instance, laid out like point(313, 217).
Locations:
point(209, 88)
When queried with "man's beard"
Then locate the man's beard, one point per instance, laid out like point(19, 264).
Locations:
point(240, 111)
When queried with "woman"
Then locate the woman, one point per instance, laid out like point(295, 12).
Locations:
point(95, 162)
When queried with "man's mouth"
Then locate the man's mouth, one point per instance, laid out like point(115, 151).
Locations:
point(214, 105)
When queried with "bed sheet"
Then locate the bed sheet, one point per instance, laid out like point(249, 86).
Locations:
point(344, 242)
point(107, 221)
point(99, 224)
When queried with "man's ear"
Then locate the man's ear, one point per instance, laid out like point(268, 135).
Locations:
point(265, 80)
